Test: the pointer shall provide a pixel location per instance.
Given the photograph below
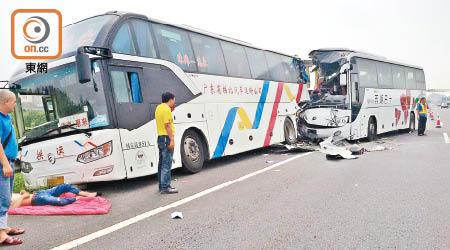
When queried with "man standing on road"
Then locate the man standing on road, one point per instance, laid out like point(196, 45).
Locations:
point(8, 154)
point(166, 143)
point(422, 110)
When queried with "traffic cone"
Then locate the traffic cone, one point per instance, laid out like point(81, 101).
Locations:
point(432, 116)
point(438, 122)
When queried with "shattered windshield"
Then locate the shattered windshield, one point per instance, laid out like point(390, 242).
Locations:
point(55, 99)
point(327, 65)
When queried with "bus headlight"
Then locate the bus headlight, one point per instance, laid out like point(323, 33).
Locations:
point(25, 167)
point(95, 153)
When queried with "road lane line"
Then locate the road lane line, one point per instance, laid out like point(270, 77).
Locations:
point(125, 223)
point(446, 138)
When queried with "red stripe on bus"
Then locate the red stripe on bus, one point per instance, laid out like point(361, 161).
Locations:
point(273, 117)
point(299, 93)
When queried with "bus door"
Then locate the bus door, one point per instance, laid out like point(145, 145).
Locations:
point(355, 97)
point(133, 115)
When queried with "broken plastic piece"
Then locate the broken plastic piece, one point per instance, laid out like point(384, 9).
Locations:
point(377, 148)
point(335, 147)
point(177, 215)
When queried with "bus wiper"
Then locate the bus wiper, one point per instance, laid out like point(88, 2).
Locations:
point(88, 134)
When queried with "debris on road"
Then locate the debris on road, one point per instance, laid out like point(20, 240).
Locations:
point(270, 161)
point(356, 149)
point(177, 215)
point(301, 147)
point(336, 147)
point(378, 148)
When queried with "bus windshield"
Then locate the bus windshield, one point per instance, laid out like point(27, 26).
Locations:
point(328, 90)
point(56, 99)
point(83, 33)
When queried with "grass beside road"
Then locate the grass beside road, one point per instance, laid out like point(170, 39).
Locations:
point(19, 184)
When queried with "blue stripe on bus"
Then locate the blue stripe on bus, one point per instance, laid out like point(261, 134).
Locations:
point(231, 116)
point(225, 134)
point(259, 109)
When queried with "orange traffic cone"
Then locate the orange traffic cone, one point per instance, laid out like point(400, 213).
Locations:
point(432, 116)
point(438, 122)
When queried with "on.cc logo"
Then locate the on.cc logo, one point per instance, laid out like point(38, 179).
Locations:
point(36, 29)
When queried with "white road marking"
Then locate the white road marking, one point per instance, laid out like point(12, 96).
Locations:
point(125, 223)
point(446, 138)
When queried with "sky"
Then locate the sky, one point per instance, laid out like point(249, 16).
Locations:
point(415, 32)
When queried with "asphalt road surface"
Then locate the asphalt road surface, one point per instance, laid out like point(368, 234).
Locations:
point(392, 199)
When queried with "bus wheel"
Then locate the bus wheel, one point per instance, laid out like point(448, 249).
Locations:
point(290, 136)
point(192, 152)
point(412, 122)
point(371, 129)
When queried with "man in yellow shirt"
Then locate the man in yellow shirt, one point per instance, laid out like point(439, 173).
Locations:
point(166, 143)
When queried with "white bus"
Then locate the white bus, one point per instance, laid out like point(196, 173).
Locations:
point(90, 118)
point(361, 95)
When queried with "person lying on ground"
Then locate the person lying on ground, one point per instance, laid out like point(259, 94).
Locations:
point(48, 197)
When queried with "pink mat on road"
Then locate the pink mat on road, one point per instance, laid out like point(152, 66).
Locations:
point(83, 206)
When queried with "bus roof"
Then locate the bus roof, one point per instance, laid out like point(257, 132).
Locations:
point(355, 53)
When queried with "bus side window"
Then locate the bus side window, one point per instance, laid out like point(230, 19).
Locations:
point(208, 54)
point(367, 72)
point(384, 75)
point(123, 42)
point(258, 64)
point(174, 45)
point(276, 68)
point(236, 60)
point(398, 75)
point(144, 38)
point(290, 74)
point(410, 79)
point(126, 87)
point(420, 79)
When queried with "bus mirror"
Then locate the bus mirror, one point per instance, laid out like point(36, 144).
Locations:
point(83, 67)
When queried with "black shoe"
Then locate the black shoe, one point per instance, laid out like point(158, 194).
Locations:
point(169, 190)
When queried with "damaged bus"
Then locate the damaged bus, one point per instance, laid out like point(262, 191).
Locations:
point(360, 95)
point(90, 118)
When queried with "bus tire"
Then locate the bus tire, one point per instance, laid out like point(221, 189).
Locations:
point(371, 129)
point(412, 122)
point(290, 135)
point(192, 152)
